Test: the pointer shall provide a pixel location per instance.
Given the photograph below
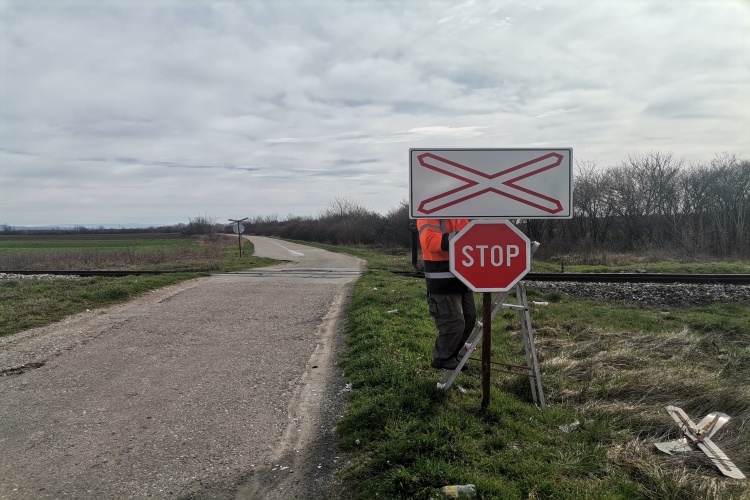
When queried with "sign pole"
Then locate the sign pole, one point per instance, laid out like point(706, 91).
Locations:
point(495, 255)
point(239, 232)
point(486, 348)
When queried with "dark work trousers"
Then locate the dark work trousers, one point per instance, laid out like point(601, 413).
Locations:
point(455, 315)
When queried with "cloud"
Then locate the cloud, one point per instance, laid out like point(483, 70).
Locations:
point(129, 111)
point(448, 131)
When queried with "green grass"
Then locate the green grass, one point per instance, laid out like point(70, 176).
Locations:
point(28, 303)
point(412, 438)
point(613, 365)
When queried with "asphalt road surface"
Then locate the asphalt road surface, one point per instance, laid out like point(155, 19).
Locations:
point(220, 387)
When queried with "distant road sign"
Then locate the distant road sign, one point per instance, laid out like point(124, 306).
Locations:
point(238, 228)
point(491, 183)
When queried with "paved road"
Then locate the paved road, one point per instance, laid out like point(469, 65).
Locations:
point(221, 387)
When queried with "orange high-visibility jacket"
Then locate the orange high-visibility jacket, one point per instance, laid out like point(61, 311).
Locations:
point(433, 237)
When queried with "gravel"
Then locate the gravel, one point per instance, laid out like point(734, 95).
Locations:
point(38, 277)
point(656, 294)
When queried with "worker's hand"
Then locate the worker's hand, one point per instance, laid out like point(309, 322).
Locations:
point(446, 238)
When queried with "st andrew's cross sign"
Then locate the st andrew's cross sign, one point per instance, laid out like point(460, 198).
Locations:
point(491, 183)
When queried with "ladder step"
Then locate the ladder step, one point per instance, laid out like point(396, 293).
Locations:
point(532, 363)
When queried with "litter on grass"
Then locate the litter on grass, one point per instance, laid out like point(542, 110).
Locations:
point(567, 428)
point(699, 436)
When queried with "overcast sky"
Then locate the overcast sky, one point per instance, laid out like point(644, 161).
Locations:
point(156, 111)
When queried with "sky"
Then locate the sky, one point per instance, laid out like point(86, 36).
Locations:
point(153, 112)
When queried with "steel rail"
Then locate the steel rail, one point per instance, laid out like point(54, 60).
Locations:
point(98, 273)
point(727, 279)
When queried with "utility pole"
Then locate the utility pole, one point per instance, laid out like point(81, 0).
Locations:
point(239, 230)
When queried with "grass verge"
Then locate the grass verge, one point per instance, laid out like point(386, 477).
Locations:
point(612, 367)
point(28, 303)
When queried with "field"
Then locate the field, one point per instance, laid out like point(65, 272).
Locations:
point(26, 303)
point(613, 367)
point(115, 252)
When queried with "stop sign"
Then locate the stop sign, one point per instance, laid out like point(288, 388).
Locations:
point(490, 255)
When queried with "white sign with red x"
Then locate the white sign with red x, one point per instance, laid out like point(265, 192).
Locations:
point(490, 183)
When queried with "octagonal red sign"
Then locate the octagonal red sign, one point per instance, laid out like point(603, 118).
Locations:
point(490, 255)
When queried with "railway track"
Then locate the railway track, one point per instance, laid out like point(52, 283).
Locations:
point(730, 279)
point(95, 273)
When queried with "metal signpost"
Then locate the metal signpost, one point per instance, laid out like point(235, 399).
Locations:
point(239, 228)
point(492, 255)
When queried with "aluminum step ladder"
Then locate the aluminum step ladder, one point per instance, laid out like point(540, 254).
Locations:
point(531, 370)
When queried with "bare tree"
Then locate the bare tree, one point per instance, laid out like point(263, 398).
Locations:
point(640, 190)
point(396, 229)
point(343, 206)
point(350, 222)
point(593, 209)
point(203, 226)
point(694, 231)
point(730, 198)
point(649, 200)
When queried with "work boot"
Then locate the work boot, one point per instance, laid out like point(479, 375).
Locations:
point(463, 351)
point(449, 364)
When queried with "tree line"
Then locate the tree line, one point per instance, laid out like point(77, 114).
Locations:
point(653, 201)
point(649, 202)
point(343, 222)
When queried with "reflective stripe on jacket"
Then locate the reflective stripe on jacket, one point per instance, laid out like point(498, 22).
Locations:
point(433, 237)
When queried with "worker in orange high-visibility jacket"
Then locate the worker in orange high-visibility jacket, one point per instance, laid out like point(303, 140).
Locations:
point(451, 303)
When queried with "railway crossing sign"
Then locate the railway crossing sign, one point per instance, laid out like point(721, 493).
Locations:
point(491, 183)
point(490, 255)
point(700, 436)
point(238, 229)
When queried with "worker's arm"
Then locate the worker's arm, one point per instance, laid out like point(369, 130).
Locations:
point(434, 242)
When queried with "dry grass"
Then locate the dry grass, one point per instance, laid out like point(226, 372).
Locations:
point(629, 378)
point(654, 260)
point(172, 254)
